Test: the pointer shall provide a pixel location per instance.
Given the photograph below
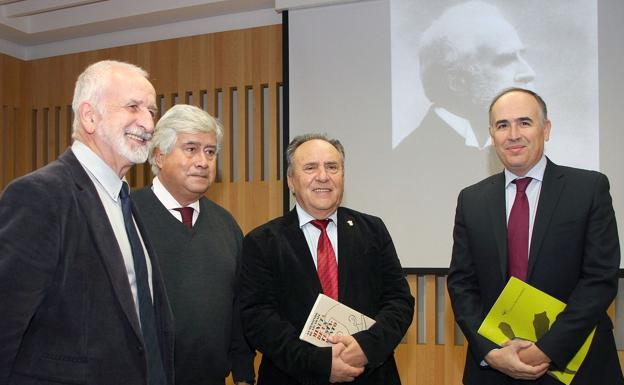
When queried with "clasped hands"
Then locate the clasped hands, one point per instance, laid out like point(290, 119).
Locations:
point(519, 359)
point(348, 359)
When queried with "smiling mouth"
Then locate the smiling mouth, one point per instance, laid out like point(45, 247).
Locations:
point(321, 190)
point(139, 136)
point(136, 137)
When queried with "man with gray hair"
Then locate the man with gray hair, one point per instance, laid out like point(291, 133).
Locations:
point(83, 300)
point(198, 244)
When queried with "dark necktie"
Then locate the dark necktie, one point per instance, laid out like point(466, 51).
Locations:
point(326, 261)
point(518, 232)
point(187, 216)
point(155, 370)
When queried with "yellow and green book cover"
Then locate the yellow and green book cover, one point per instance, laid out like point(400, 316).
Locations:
point(522, 311)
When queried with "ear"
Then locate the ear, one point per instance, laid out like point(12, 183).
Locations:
point(88, 117)
point(290, 184)
point(547, 130)
point(158, 157)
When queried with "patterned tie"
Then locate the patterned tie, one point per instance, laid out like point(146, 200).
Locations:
point(155, 370)
point(326, 261)
point(518, 232)
point(187, 216)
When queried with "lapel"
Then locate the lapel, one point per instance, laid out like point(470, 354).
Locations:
point(495, 202)
point(300, 250)
point(347, 229)
point(103, 236)
point(552, 186)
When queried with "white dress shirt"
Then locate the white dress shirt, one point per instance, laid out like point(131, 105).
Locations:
point(312, 233)
point(170, 203)
point(108, 185)
point(532, 191)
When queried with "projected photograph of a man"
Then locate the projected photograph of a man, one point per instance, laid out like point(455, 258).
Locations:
point(466, 56)
point(449, 58)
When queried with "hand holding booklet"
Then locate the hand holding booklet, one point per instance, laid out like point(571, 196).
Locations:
point(329, 317)
point(524, 312)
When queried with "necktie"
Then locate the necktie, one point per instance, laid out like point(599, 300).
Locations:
point(326, 261)
point(155, 371)
point(518, 232)
point(187, 216)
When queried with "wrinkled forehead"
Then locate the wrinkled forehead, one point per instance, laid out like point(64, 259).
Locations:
point(316, 150)
point(126, 85)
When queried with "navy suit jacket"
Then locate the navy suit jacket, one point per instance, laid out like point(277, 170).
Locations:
point(279, 285)
point(67, 312)
point(574, 256)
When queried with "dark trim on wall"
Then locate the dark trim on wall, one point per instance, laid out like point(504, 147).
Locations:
point(285, 109)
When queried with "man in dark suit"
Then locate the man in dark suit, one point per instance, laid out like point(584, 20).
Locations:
point(566, 245)
point(280, 283)
point(82, 299)
point(198, 244)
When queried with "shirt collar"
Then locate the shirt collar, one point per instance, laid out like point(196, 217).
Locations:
point(462, 127)
point(95, 166)
point(305, 218)
point(165, 197)
point(536, 172)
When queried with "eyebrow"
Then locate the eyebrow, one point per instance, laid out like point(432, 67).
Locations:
point(520, 119)
point(196, 143)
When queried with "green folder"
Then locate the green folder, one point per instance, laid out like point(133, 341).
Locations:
point(524, 312)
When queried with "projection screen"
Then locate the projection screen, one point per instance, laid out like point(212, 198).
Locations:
point(405, 85)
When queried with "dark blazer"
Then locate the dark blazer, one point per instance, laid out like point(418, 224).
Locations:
point(574, 256)
point(279, 285)
point(68, 316)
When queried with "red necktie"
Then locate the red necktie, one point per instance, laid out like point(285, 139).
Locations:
point(518, 232)
point(326, 261)
point(187, 216)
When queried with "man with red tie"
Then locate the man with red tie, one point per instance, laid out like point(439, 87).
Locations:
point(320, 247)
point(551, 226)
point(198, 244)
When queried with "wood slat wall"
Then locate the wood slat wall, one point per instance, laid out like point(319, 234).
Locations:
point(215, 72)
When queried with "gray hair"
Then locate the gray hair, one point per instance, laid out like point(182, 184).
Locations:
point(540, 102)
point(181, 119)
point(93, 81)
point(301, 139)
point(448, 43)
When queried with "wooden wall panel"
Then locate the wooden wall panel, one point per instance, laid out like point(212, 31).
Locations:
point(11, 71)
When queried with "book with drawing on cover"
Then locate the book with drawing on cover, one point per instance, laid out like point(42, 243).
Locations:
point(525, 312)
point(329, 317)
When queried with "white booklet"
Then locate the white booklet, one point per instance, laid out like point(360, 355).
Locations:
point(329, 317)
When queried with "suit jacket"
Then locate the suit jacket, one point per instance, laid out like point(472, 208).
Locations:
point(574, 256)
point(68, 315)
point(279, 285)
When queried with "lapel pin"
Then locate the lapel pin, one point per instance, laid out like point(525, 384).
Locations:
point(350, 222)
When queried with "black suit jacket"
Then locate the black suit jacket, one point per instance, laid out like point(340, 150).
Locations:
point(574, 256)
point(279, 285)
point(67, 311)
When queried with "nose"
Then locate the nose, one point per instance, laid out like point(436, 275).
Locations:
point(321, 175)
point(514, 131)
point(524, 73)
point(145, 120)
point(201, 160)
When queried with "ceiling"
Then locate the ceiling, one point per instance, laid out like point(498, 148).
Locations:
point(34, 22)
